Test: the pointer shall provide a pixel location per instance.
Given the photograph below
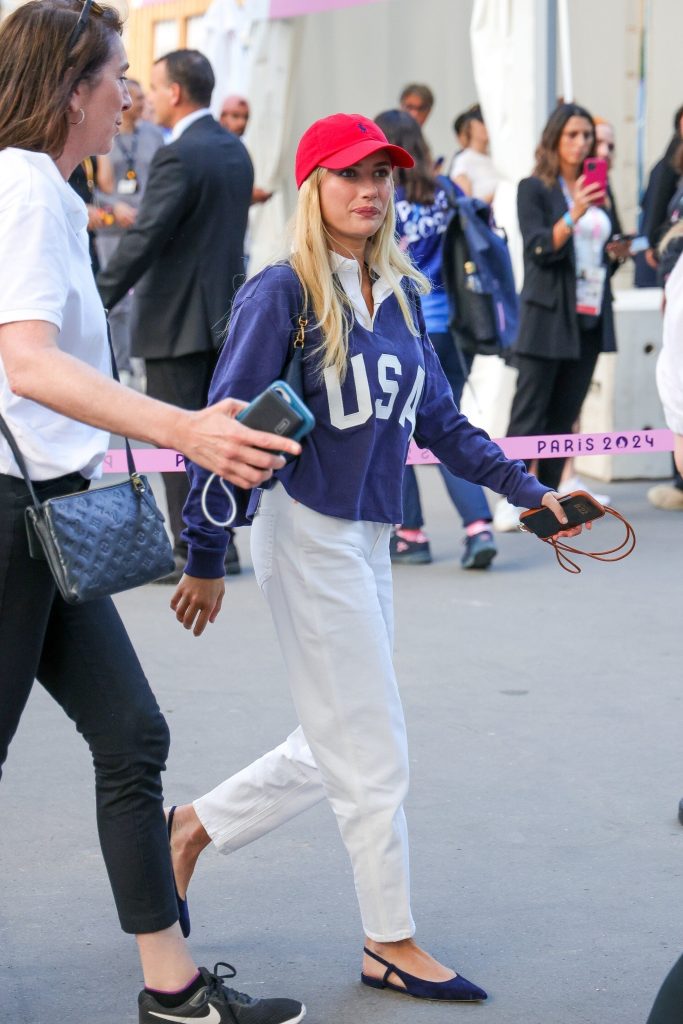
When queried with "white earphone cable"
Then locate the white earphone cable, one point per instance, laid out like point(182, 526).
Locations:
point(233, 507)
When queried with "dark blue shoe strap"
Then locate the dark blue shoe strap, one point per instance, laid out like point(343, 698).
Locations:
point(183, 909)
point(390, 968)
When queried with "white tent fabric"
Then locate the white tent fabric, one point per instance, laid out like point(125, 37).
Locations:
point(508, 44)
point(252, 56)
point(228, 34)
point(273, 57)
point(502, 35)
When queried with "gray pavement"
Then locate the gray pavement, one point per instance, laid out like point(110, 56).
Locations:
point(545, 715)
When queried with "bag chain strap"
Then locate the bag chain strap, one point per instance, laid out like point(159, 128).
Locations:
point(561, 549)
point(300, 338)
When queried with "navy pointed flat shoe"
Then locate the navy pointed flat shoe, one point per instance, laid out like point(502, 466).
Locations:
point(183, 909)
point(457, 989)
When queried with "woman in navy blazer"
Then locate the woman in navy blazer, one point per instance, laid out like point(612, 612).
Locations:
point(557, 346)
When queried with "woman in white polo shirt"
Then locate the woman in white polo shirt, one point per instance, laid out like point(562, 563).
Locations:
point(62, 92)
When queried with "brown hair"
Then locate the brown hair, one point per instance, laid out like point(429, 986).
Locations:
point(38, 73)
point(403, 130)
point(423, 92)
point(547, 160)
point(677, 159)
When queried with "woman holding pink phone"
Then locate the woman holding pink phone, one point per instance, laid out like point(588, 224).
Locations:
point(566, 319)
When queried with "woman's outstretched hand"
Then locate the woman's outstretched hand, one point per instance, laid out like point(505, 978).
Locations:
point(197, 602)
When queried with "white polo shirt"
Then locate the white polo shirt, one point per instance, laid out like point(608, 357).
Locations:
point(46, 275)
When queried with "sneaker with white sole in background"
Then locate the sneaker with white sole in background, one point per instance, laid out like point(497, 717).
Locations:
point(215, 1003)
point(506, 517)
point(666, 496)
point(575, 483)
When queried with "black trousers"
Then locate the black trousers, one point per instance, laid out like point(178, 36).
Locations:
point(667, 1008)
point(549, 396)
point(82, 656)
point(183, 381)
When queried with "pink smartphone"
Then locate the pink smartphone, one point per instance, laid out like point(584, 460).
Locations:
point(595, 173)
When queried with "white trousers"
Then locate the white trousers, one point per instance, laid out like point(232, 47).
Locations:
point(328, 584)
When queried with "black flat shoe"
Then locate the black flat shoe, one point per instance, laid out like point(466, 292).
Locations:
point(183, 909)
point(457, 989)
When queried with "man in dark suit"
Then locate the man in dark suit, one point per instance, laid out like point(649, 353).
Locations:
point(184, 254)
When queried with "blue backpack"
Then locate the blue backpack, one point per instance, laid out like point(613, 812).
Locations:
point(477, 277)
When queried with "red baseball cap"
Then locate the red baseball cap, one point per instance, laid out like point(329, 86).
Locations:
point(341, 140)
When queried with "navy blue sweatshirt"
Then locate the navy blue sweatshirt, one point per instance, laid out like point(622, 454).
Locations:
point(352, 463)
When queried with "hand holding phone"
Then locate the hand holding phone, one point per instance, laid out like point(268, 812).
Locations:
point(579, 507)
point(595, 179)
point(278, 410)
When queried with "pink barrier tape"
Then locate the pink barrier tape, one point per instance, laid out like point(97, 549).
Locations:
point(556, 446)
point(544, 446)
point(291, 8)
point(147, 460)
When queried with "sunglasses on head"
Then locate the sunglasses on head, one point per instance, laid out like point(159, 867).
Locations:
point(80, 26)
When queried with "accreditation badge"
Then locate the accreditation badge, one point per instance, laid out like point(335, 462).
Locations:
point(127, 186)
point(590, 288)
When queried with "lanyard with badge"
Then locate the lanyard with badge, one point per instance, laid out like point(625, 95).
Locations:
point(590, 280)
point(128, 185)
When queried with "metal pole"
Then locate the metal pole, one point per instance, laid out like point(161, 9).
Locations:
point(566, 51)
point(551, 57)
point(546, 62)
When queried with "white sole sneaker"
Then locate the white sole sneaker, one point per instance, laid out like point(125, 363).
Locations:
point(506, 517)
point(575, 483)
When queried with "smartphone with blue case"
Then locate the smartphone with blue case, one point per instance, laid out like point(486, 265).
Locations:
point(278, 410)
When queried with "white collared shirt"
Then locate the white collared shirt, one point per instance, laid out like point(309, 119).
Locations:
point(349, 273)
point(46, 275)
point(184, 123)
point(670, 361)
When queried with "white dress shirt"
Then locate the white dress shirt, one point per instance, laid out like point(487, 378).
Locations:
point(184, 123)
point(349, 273)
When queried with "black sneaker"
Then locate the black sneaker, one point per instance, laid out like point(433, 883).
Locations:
point(215, 1003)
point(412, 552)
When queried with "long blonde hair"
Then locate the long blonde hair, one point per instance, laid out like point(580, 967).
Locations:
point(310, 259)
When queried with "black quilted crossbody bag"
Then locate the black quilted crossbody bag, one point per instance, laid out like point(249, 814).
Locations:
point(100, 541)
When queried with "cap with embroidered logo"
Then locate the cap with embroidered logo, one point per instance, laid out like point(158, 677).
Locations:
point(342, 140)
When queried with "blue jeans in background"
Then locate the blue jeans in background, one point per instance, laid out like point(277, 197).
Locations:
point(469, 499)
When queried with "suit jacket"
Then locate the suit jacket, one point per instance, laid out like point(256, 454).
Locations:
point(549, 324)
point(184, 253)
point(661, 187)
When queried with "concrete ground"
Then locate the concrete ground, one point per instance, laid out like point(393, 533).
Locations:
point(545, 715)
